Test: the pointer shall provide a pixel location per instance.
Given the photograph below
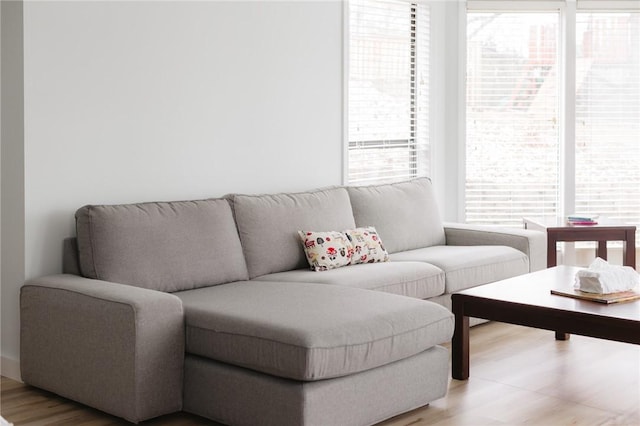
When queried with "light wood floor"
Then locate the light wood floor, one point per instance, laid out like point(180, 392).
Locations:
point(519, 376)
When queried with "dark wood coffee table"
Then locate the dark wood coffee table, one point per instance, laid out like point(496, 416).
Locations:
point(527, 300)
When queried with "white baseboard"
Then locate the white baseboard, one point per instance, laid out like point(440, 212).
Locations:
point(10, 368)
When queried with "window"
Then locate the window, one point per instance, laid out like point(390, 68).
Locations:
point(513, 136)
point(388, 133)
point(530, 140)
point(608, 114)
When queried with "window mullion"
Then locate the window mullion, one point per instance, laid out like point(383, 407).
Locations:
point(568, 158)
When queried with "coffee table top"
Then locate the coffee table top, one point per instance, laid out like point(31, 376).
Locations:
point(534, 289)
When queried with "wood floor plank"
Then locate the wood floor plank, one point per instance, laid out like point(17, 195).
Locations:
point(519, 376)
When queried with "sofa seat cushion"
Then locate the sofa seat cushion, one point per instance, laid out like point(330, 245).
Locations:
point(470, 266)
point(414, 279)
point(308, 331)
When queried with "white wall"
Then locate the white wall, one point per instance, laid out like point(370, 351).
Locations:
point(144, 101)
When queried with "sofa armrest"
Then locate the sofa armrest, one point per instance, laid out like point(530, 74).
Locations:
point(111, 346)
point(531, 243)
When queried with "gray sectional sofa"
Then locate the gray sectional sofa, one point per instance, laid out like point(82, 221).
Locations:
point(209, 306)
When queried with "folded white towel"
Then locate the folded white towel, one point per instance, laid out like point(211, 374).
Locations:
point(602, 278)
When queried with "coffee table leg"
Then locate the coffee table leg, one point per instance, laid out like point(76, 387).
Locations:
point(629, 249)
point(460, 342)
point(601, 250)
point(552, 250)
point(562, 336)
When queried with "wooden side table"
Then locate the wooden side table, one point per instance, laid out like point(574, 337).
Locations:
point(559, 230)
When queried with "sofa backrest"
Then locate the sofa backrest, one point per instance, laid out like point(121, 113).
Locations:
point(70, 261)
point(165, 246)
point(405, 214)
point(268, 225)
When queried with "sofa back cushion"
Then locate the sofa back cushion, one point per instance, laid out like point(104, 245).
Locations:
point(268, 225)
point(167, 246)
point(405, 214)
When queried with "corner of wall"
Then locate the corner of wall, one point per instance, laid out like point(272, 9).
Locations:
point(12, 182)
point(447, 109)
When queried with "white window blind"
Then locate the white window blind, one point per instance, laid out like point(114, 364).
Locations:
point(388, 91)
point(512, 128)
point(607, 145)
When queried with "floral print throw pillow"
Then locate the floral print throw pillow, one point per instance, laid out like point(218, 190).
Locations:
point(367, 246)
point(326, 250)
